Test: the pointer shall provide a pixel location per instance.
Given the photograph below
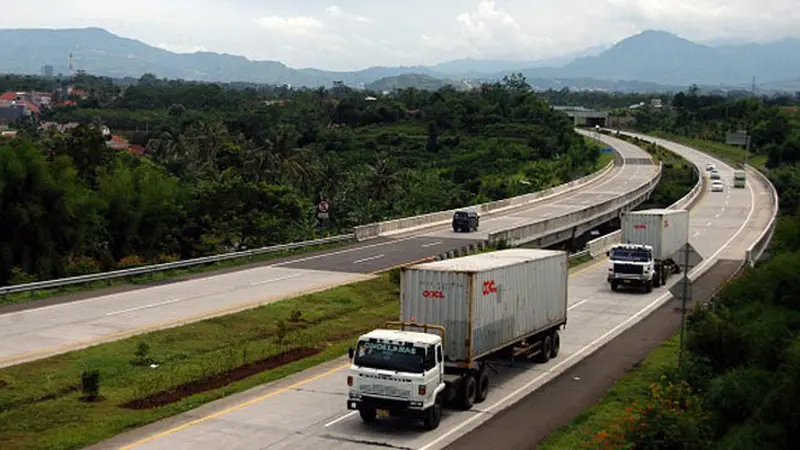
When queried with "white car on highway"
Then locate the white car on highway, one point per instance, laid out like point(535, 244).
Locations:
point(717, 186)
point(710, 166)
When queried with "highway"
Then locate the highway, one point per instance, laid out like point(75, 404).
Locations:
point(40, 332)
point(307, 411)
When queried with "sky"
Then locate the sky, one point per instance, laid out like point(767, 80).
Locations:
point(355, 34)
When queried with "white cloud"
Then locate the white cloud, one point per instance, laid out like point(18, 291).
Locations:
point(291, 26)
point(181, 48)
point(323, 33)
point(338, 12)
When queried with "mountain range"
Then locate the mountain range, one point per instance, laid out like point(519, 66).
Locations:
point(652, 60)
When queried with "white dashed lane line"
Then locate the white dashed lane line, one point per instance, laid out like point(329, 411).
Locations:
point(371, 258)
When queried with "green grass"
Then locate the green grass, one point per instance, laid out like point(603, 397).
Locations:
point(730, 154)
point(32, 296)
point(39, 407)
point(633, 387)
point(575, 262)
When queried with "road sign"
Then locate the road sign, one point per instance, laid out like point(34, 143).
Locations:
point(323, 206)
point(694, 259)
point(736, 138)
point(607, 150)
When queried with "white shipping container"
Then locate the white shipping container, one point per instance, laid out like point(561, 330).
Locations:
point(487, 301)
point(666, 230)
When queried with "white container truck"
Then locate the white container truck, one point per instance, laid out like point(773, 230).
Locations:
point(650, 242)
point(455, 315)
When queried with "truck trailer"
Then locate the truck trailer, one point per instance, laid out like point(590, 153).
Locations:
point(649, 245)
point(456, 315)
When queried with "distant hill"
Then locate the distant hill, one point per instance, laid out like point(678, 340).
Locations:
point(661, 57)
point(408, 80)
point(650, 58)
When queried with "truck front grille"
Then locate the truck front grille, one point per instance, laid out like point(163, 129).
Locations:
point(630, 269)
point(388, 391)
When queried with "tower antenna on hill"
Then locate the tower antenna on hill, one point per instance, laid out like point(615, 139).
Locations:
point(749, 125)
point(71, 66)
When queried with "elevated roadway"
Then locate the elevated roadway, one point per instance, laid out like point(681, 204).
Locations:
point(39, 332)
point(308, 411)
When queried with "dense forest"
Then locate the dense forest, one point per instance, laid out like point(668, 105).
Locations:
point(740, 379)
point(226, 168)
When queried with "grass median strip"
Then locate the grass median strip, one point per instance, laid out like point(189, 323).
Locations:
point(80, 398)
point(633, 387)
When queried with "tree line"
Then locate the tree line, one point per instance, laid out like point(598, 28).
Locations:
point(226, 168)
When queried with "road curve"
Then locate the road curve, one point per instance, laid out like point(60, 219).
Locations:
point(40, 332)
point(307, 411)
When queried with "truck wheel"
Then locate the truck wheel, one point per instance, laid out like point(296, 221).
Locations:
point(657, 279)
point(483, 386)
point(648, 287)
point(433, 415)
point(467, 390)
point(556, 344)
point(368, 415)
point(614, 286)
point(547, 347)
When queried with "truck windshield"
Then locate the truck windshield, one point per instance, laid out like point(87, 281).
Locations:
point(625, 254)
point(381, 355)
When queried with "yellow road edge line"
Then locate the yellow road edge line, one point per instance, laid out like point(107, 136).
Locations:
point(234, 408)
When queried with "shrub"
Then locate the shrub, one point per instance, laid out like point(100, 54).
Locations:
point(90, 385)
point(671, 418)
point(82, 265)
point(162, 258)
point(130, 261)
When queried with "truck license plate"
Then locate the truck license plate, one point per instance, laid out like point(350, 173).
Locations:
point(383, 413)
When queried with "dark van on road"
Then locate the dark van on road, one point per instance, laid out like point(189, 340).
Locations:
point(465, 221)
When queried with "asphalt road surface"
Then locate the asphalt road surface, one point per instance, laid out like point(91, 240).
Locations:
point(308, 411)
point(34, 333)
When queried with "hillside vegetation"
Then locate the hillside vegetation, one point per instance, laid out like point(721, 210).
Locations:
point(225, 169)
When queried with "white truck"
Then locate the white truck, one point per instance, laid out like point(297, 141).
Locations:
point(649, 245)
point(455, 315)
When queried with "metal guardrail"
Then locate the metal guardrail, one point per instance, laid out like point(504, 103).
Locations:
point(599, 246)
point(407, 224)
point(539, 228)
point(755, 251)
point(82, 279)
point(479, 246)
point(371, 230)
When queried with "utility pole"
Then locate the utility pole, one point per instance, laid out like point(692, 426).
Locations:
point(684, 300)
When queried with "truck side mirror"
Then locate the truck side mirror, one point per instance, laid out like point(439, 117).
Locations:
point(350, 353)
point(608, 253)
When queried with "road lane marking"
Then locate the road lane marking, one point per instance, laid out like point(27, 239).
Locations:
point(234, 407)
point(697, 269)
point(335, 421)
point(597, 341)
point(370, 258)
point(708, 224)
point(78, 345)
point(431, 244)
point(272, 280)
point(152, 305)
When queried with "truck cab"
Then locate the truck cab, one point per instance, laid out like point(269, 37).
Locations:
point(397, 373)
point(631, 264)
